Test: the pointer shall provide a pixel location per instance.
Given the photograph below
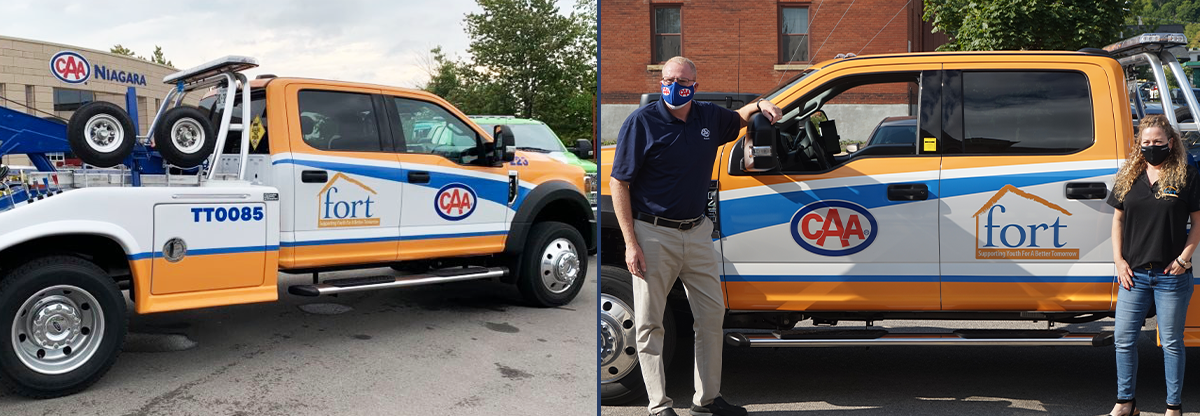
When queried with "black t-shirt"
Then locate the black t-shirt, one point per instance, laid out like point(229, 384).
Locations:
point(1155, 230)
point(669, 162)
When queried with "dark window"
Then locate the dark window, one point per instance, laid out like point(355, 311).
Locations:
point(1026, 112)
point(429, 128)
point(793, 34)
point(668, 33)
point(70, 100)
point(339, 121)
point(258, 116)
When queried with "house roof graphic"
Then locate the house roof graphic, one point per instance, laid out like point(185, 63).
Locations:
point(340, 175)
point(1009, 188)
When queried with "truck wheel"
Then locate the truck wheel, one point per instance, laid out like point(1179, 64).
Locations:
point(184, 137)
point(101, 134)
point(62, 323)
point(553, 265)
point(620, 375)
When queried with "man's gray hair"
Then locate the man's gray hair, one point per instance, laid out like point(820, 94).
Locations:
point(681, 60)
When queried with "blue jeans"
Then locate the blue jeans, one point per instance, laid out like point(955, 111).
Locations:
point(1170, 295)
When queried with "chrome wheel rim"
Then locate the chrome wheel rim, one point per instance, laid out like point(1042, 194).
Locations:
point(618, 350)
point(103, 133)
point(58, 329)
point(187, 135)
point(559, 266)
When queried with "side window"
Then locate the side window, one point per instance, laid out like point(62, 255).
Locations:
point(855, 117)
point(429, 128)
point(1026, 112)
point(258, 115)
point(339, 121)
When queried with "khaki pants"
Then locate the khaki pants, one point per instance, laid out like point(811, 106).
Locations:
point(690, 256)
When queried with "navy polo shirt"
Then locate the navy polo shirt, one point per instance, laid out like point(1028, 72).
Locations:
point(668, 162)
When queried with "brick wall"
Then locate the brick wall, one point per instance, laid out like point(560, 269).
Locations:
point(735, 44)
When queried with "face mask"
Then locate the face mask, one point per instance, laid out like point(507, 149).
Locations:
point(1155, 155)
point(676, 95)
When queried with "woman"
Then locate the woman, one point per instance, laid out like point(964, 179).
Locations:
point(1154, 194)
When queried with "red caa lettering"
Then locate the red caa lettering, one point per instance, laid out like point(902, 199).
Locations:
point(831, 226)
point(70, 67)
point(850, 227)
point(456, 200)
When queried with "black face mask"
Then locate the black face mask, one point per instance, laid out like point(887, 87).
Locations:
point(1155, 155)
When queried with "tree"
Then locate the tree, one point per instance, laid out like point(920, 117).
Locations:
point(121, 50)
point(157, 57)
point(981, 25)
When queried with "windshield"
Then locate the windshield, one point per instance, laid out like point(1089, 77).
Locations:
point(537, 136)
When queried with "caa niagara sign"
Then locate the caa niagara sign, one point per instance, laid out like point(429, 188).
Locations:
point(833, 228)
point(72, 68)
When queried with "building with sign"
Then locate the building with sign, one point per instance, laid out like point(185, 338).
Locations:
point(52, 80)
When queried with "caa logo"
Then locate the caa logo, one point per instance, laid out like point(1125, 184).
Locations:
point(833, 228)
point(70, 67)
point(455, 201)
point(685, 93)
point(666, 91)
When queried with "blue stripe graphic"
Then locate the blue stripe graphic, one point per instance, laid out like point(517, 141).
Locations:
point(207, 251)
point(917, 279)
point(755, 212)
point(384, 239)
point(1029, 279)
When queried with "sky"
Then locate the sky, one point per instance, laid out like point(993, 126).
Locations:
point(373, 41)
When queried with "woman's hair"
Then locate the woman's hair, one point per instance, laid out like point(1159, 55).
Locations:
point(1174, 169)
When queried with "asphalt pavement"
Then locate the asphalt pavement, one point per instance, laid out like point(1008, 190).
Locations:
point(462, 348)
point(975, 380)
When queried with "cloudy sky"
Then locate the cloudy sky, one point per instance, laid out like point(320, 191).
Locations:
point(375, 41)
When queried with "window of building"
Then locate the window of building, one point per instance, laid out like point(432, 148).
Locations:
point(793, 34)
point(71, 100)
point(3, 97)
point(668, 33)
point(338, 121)
point(30, 100)
point(429, 128)
point(1026, 112)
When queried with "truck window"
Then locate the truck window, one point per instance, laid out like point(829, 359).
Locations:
point(339, 121)
point(429, 128)
point(1026, 112)
point(258, 111)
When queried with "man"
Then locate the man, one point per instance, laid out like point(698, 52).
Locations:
point(660, 177)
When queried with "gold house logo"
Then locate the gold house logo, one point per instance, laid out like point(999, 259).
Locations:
point(346, 202)
point(1004, 231)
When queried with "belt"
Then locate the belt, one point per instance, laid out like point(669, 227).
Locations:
point(663, 222)
point(1152, 266)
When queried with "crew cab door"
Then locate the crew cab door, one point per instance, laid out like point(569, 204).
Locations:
point(347, 190)
point(830, 231)
point(455, 205)
point(1028, 157)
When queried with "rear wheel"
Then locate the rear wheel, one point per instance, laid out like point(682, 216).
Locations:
point(553, 265)
point(101, 134)
point(62, 323)
point(620, 375)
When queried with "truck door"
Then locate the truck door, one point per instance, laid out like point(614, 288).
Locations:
point(347, 180)
point(833, 231)
point(454, 205)
point(1022, 226)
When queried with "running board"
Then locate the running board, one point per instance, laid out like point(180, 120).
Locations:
point(359, 284)
point(853, 338)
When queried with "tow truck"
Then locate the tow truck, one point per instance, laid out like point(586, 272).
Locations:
point(993, 210)
point(272, 175)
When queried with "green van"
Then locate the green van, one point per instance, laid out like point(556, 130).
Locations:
point(532, 134)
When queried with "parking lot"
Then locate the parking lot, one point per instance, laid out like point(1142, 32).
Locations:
point(932, 380)
point(461, 348)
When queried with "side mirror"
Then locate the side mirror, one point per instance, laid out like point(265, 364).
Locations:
point(762, 156)
point(583, 149)
point(506, 144)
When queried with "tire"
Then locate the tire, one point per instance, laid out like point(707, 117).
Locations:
point(66, 290)
point(553, 266)
point(184, 137)
point(101, 134)
point(621, 379)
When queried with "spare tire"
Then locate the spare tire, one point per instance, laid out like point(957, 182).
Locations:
point(101, 134)
point(184, 136)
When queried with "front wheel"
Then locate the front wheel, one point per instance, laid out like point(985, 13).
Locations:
point(62, 323)
point(620, 375)
point(553, 265)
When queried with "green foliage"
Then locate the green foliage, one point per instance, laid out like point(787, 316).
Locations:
point(527, 60)
point(120, 50)
point(982, 25)
point(157, 57)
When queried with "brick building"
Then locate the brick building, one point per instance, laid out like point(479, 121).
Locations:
point(744, 45)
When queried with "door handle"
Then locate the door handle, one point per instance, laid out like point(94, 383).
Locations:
point(908, 192)
point(1086, 190)
point(418, 177)
point(314, 176)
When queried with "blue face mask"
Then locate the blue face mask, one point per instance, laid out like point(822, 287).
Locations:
point(677, 95)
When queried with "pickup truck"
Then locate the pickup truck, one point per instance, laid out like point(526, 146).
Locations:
point(995, 210)
point(324, 175)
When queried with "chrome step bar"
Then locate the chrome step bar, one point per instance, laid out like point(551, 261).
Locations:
point(771, 341)
point(333, 287)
